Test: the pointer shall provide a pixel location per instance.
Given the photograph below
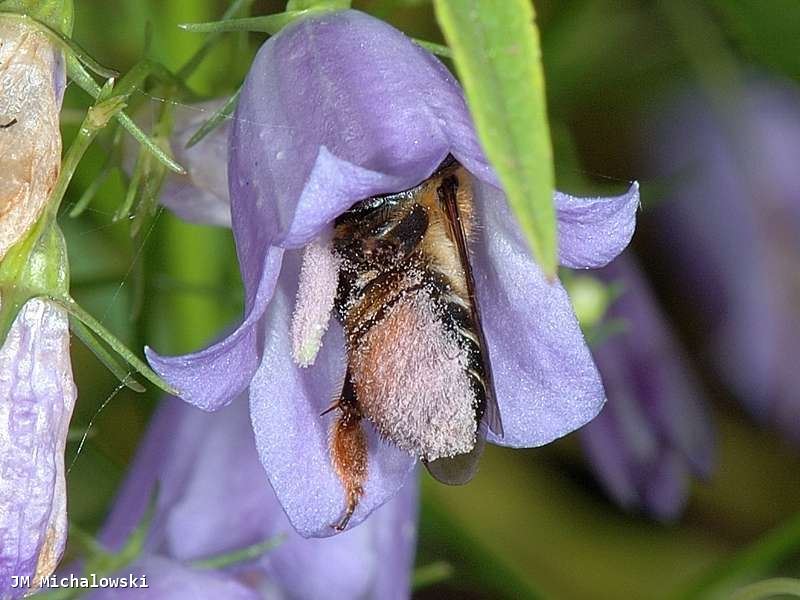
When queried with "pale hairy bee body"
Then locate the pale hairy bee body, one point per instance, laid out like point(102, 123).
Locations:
point(417, 363)
point(403, 299)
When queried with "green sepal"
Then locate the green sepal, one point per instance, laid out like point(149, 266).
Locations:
point(35, 267)
point(63, 41)
point(104, 356)
point(434, 48)
point(56, 14)
point(99, 330)
point(270, 24)
point(80, 76)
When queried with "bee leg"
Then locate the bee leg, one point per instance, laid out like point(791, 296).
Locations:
point(333, 406)
point(349, 452)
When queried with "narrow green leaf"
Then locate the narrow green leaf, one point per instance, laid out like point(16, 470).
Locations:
point(270, 24)
point(495, 45)
point(222, 113)
point(197, 58)
point(435, 48)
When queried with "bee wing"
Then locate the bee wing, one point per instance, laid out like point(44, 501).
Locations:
point(492, 414)
point(459, 469)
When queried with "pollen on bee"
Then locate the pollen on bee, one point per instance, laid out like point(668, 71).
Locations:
point(411, 380)
point(319, 277)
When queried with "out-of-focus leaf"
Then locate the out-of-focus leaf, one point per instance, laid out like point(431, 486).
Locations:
point(495, 46)
point(241, 555)
point(766, 32)
point(756, 560)
point(769, 588)
point(431, 574)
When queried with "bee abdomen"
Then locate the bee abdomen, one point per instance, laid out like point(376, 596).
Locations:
point(412, 380)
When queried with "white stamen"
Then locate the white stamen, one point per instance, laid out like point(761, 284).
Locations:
point(319, 278)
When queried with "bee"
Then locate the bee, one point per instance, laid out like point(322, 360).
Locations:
point(418, 366)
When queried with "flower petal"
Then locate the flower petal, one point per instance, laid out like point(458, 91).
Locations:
point(286, 402)
point(336, 108)
point(545, 381)
point(167, 578)
point(200, 196)
point(214, 498)
point(38, 395)
point(592, 231)
point(211, 378)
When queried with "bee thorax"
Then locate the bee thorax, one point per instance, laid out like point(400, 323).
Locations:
point(411, 377)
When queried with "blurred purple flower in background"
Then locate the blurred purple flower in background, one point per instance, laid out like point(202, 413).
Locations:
point(731, 228)
point(212, 499)
point(335, 109)
point(37, 392)
point(655, 431)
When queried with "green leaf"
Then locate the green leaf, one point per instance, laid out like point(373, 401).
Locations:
point(495, 45)
point(766, 34)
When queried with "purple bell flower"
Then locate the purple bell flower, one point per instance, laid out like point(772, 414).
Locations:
point(338, 108)
point(731, 229)
point(37, 392)
point(655, 431)
point(213, 499)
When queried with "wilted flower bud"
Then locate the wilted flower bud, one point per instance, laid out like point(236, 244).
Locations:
point(655, 431)
point(37, 392)
point(32, 84)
